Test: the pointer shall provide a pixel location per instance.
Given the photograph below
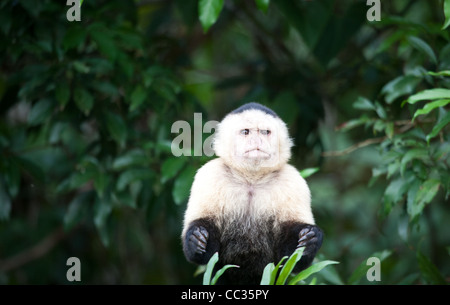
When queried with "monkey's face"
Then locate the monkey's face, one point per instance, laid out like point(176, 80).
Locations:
point(253, 140)
point(256, 144)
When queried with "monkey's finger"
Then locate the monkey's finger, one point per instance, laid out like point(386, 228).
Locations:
point(306, 243)
point(308, 235)
point(201, 234)
point(199, 246)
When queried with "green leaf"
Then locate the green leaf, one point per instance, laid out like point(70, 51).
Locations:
point(74, 36)
point(429, 271)
point(361, 270)
point(289, 266)
point(125, 198)
point(305, 173)
point(101, 180)
point(271, 271)
point(81, 67)
point(394, 192)
point(40, 111)
point(78, 179)
point(416, 153)
point(220, 272)
point(303, 275)
point(12, 177)
point(137, 97)
point(83, 99)
point(354, 123)
point(171, 167)
point(431, 94)
point(31, 168)
point(62, 94)
point(440, 73)
point(401, 85)
point(132, 175)
point(77, 210)
point(423, 47)
point(430, 106)
point(339, 28)
point(447, 14)
point(116, 127)
point(302, 16)
point(209, 268)
point(209, 11)
point(389, 129)
point(277, 267)
point(438, 127)
point(102, 210)
point(133, 157)
point(379, 109)
point(426, 192)
point(267, 278)
point(182, 185)
point(263, 5)
point(104, 40)
point(363, 103)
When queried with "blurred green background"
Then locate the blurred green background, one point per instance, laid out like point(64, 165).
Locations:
point(86, 110)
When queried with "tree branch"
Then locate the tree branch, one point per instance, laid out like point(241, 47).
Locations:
point(36, 252)
point(407, 125)
point(353, 147)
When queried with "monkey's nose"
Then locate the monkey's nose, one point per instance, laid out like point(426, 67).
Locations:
point(256, 141)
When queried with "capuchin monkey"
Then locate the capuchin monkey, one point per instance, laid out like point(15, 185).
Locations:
point(249, 205)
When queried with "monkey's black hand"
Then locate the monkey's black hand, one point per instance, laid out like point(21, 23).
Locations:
point(310, 237)
point(198, 239)
point(201, 241)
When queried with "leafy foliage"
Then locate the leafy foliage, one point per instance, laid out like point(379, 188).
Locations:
point(274, 276)
point(209, 270)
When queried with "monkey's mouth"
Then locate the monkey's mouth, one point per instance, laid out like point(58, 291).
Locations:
point(256, 153)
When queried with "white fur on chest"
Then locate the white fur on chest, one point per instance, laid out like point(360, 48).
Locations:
point(220, 194)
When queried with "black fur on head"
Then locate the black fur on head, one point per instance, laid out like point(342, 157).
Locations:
point(255, 106)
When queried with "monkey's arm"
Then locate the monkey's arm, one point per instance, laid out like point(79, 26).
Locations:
point(201, 241)
point(295, 235)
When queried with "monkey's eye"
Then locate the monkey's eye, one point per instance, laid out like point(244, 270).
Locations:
point(265, 132)
point(245, 132)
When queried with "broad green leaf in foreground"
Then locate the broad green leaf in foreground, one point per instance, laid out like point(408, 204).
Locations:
point(210, 267)
point(311, 270)
point(289, 266)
